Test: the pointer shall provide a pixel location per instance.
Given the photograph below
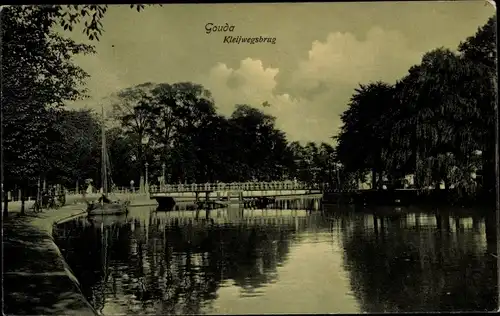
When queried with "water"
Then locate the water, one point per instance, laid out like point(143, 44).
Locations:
point(283, 261)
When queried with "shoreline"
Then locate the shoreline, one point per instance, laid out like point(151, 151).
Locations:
point(40, 269)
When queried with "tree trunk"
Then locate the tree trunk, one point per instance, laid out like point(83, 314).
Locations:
point(491, 229)
point(374, 179)
point(380, 180)
point(437, 190)
point(390, 180)
point(23, 211)
point(140, 158)
point(446, 185)
point(488, 173)
point(416, 181)
point(437, 185)
point(5, 204)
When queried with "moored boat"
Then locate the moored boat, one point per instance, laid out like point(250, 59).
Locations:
point(113, 208)
point(108, 220)
point(105, 206)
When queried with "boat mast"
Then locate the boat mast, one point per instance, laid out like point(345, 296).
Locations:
point(104, 171)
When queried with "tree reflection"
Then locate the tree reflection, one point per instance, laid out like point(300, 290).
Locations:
point(166, 266)
point(398, 262)
point(433, 267)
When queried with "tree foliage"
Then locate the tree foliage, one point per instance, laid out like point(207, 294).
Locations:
point(70, 16)
point(432, 123)
point(193, 143)
point(76, 148)
point(38, 78)
point(365, 136)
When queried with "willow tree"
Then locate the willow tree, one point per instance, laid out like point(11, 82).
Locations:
point(481, 51)
point(434, 127)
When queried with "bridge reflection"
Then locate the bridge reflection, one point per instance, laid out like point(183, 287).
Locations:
point(398, 260)
point(149, 258)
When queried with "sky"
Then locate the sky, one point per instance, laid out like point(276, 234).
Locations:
point(321, 53)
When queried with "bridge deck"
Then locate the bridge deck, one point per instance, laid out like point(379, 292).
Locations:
point(231, 188)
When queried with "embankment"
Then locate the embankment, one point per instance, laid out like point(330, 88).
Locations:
point(37, 279)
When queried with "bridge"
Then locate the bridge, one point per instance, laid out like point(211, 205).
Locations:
point(232, 192)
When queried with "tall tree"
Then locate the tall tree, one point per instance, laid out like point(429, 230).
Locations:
point(37, 76)
point(442, 107)
point(297, 152)
point(482, 46)
point(75, 149)
point(178, 111)
point(214, 142)
point(122, 148)
point(326, 164)
point(257, 142)
point(481, 50)
point(132, 108)
point(364, 135)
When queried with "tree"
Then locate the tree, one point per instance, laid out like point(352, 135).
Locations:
point(69, 16)
point(481, 51)
point(215, 148)
point(431, 123)
point(482, 47)
point(365, 134)
point(133, 108)
point(178, 111)
point(260, 146)
point(326, 164)
point(311, 156)
point(38, 76)
point(168, 117)
point(442, 104)
point(75, 151)
point(297, 153)
point(195, 143)
point(122, 148)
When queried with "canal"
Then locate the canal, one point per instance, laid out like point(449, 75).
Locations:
point(330, 260)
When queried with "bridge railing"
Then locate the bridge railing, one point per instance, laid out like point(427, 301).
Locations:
point(243, 186)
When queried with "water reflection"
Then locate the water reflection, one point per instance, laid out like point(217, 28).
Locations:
point(282, 261)
point(425, 261)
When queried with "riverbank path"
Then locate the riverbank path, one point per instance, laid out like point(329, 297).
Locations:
point(37, 280)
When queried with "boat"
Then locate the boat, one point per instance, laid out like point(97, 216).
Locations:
point(105, 205)
point(113, 208)
point(108, 220)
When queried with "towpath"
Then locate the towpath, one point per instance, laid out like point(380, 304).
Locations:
point(37, 280)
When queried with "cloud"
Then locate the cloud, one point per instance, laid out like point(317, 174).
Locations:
point(320, 86)
point(307, 98)
point(344, 60)
point(250, 83)
point(253, 84)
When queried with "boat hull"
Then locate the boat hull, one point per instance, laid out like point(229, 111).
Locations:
point(108, 209)
point(108, 220)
